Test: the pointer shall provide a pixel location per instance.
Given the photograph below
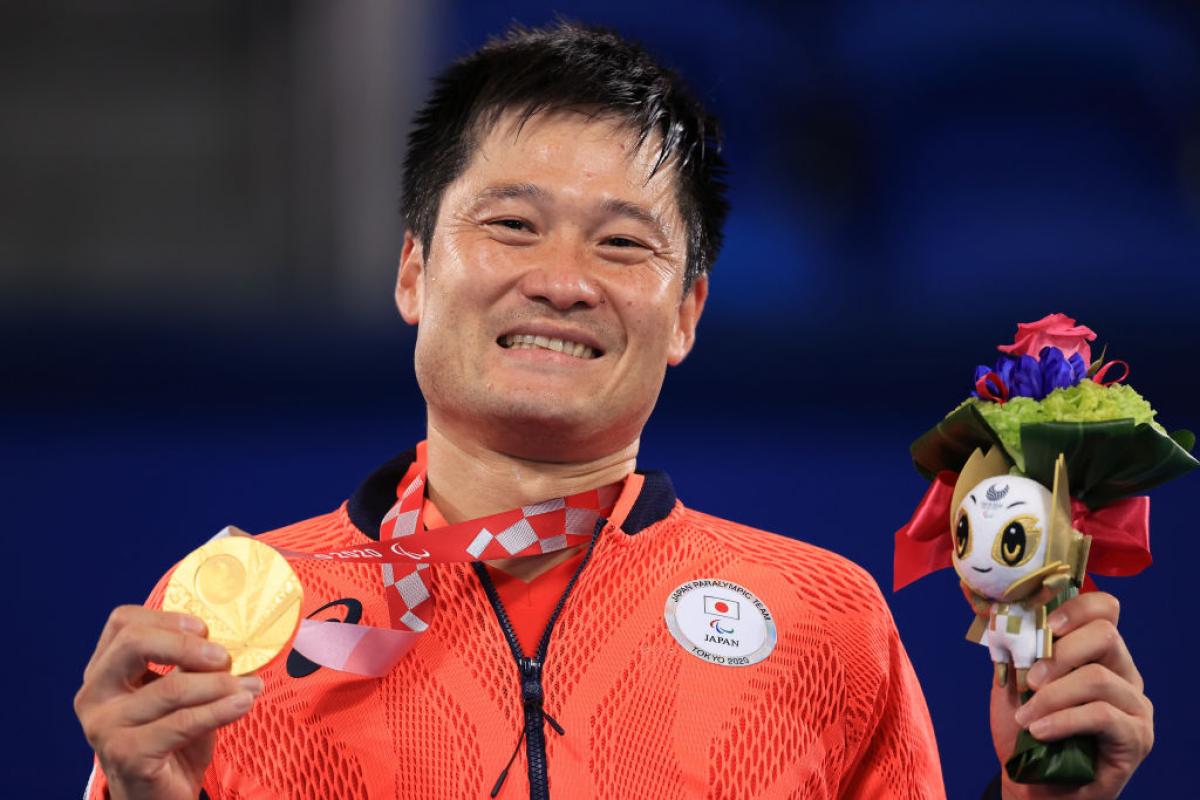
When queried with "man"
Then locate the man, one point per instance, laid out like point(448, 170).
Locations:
point(564, 203)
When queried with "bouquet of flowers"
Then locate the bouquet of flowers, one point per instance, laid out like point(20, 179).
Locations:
point(1057, 434)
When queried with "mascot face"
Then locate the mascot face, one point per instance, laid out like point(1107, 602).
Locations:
point(1000, 533)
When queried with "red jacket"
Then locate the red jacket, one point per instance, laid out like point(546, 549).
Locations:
point(834, 711)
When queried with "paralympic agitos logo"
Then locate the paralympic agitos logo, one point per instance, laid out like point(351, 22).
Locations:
point(300, 667)
point(364, 553)
point(398, 549)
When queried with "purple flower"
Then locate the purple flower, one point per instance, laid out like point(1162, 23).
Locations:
point(1057, 372)
point(1003, 370)
point(1026, 376)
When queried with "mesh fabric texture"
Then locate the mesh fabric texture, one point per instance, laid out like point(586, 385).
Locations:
point(834, 711)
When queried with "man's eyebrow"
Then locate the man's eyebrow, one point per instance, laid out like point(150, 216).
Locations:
point(510, 191)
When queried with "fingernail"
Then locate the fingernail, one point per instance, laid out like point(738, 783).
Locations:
point(241, 701)
point(191, 624)
point(1022, 715)
point(213, 653)
point(251, 683)
point(1039, 727)
point(1037, 674)
point(1057, 620)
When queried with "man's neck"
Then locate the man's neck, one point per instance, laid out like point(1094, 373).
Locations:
point(467, 480)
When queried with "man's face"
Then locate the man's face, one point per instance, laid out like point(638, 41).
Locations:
point(551, 299)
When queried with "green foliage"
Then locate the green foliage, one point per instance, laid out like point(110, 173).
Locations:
point(1112, 444)
point(1087, 401)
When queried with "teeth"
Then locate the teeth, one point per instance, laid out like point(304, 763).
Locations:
point(527, 341)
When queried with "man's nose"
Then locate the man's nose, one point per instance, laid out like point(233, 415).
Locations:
point(562, 279)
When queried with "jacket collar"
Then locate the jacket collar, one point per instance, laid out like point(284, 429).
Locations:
point(377, 494)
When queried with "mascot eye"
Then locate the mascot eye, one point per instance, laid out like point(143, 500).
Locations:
point(1012, 543)
point(962, 536)
point(1017, 542)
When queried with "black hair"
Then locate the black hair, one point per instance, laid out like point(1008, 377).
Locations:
point(568, 65)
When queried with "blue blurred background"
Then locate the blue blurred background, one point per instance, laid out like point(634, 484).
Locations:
point(198, 233)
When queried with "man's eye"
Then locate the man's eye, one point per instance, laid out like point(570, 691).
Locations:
point(621, 241)
point(511, 224)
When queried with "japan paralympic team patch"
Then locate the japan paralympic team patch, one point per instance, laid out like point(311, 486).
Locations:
point(720, 622)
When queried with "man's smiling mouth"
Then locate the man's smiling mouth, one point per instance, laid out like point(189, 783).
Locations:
point(528, 341)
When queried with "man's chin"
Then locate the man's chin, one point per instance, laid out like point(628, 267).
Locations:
point(558, 433)
point(546, 419)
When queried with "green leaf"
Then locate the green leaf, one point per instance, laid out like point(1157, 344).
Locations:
point(1070, 761)
point(1184, 438)
point(948, 445)
point(1106, 460)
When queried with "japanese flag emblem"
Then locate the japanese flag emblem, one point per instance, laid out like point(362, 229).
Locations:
point(721, 607)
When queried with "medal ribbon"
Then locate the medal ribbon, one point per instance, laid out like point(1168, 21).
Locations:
point(405, 550)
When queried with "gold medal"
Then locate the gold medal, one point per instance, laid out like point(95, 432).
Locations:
point(245, 592)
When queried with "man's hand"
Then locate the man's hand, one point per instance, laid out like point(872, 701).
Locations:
point(154, 735)
point(1090, 686)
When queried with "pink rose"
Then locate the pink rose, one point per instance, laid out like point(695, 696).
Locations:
point(1052, 330)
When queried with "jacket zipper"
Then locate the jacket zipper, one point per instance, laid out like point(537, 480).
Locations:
point(530, 673)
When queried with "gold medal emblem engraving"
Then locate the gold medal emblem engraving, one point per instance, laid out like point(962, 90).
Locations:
point(220, 579)
point(245, 592)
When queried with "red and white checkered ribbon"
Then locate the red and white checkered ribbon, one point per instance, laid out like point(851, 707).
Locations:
point(405, 551)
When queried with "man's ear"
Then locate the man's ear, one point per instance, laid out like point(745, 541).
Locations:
point(410, 283)
point(684, 335)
